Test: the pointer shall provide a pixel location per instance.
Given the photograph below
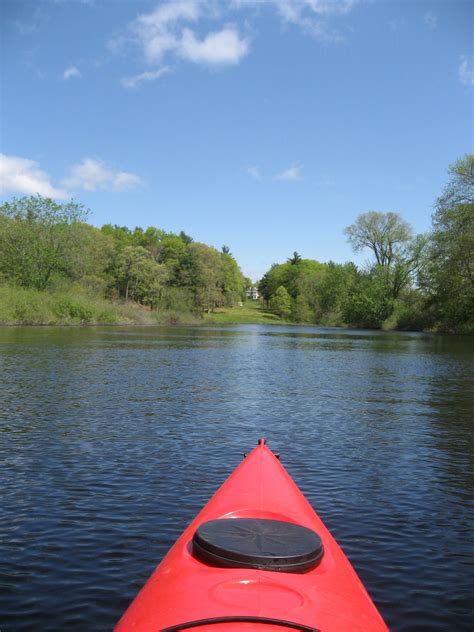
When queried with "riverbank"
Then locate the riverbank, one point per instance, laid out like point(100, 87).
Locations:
point(250, 313)
point(24, 306)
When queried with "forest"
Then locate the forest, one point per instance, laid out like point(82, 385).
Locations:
point(57, 268)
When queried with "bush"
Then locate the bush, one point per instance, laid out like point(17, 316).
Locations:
point(410, 313)
point(68, 307)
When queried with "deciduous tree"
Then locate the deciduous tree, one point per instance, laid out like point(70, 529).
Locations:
point(38, 239)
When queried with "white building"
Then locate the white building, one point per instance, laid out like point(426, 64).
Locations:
point(252, 293)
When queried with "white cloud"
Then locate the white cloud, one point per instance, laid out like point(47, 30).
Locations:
point(311, 15)
point(156, 31)
point(93, 175)
point(221, 47)
point(466, 70)
point(430, 20)
point(72, 71)
point(174, 28)
point(151, 75)
point(254, 172)
point(161, 32)
point(290, 174)
point(21, 175)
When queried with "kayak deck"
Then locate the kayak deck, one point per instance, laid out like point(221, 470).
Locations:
point(330, 597)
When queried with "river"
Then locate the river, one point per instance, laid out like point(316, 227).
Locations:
point(112, 439)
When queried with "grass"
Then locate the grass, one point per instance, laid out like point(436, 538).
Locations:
point(75, 306)
point(252, 313)
point(26, 306)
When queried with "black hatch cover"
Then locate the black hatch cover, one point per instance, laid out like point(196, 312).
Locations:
point(258, 543)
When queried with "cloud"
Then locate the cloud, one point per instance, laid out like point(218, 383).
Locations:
point(466, 70)
point(72, 71)
point(290, 174)
point(157, 31)
point(162, 32)
point(310, 15)
point(21, 175)
point(221, 47)
point(174, 29)
point(151, 75)
point(93, 175)
point(254, 172)
point(430, 20)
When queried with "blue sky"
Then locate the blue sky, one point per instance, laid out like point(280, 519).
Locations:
point(264, 125)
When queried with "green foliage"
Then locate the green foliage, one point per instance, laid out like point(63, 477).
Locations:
point(281, 302)
point(233, 282)
point(448, 275)
point(139, 277)
point(29, 306)
point(56, 268)
point(368, 303)
point(410, 313)
point(40, 239)
point(288, 276)
point(294, 259)
point(383, 233)
point(206, 275)
point(300, 310)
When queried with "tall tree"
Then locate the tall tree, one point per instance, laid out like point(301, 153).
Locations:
point(294, 259)
point(448, 277)
point(281, 302)
point(383, 233)
point(38, 238)
point(397, 254)
point(206, 275)
point(139, 277)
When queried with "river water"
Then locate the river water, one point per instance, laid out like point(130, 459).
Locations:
point(112, 439)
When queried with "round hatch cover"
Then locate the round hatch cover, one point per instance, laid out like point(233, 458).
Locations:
point(258, 543)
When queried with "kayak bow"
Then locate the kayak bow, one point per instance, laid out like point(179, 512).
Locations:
point(257, 557)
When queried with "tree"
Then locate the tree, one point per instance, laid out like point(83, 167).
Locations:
point(186, 238)
point(233, 281)
point(294, 259)
point(38, 239)
point(448, 277)
point(367, 303)
point(264, 288)
point(383, 233)
point(288, 275)
point(172, 251)
point(205, 275)
point(91, 263)
point(139, 277)
point(281, 302)
point(460, 188)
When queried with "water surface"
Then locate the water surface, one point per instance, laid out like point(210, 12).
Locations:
point(112, 439)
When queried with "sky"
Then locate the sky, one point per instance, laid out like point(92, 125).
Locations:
point(265, 125)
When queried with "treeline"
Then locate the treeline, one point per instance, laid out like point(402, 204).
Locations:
point(414, 282)
point(45, 245)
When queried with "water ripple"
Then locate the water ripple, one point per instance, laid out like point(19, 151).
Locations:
point(103, 429)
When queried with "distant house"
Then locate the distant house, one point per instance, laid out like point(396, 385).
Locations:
point(252, 293)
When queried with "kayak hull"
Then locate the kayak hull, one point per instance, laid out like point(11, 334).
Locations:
point(330, 597)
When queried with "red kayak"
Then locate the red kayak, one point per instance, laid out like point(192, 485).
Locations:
point(256, 558)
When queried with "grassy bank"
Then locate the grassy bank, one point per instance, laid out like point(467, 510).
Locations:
point(251, 313)
point(22, 306)
point(74, 306)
